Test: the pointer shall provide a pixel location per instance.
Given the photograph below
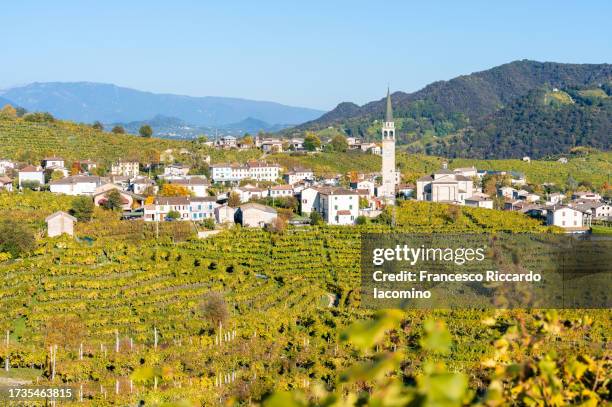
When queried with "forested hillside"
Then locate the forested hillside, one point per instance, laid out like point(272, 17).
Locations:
point(498, 112)
point(541, 124)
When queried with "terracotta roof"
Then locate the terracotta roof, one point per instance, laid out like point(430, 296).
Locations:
point(343, 212)
point(281, 188)
point(29, 168)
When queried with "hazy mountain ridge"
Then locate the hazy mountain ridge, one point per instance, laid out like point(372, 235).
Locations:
point(88, 102)
point(173, 127)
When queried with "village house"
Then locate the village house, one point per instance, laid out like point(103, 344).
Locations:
point(337, 206)
point(565, 217)
point(140, 185)
point(272, 146)
point(528, 196)
point(250, 192)
point(298, 174)
point(586, 195)
point(198, 186)
point(76, 185)
point(296, 144)
point(308, 198)
point(259, 171)
point(507, 192)
point(87, 166)
point(31, 174)
point(226, 142)
point(53, 162)
point(555, 198)
point(6, 183)
point(479, 200)
point(277, 191)
point(371, 148)
point(597, 210)
point(60, 223)
point(188, 208)
point(5, 166)
point(255, 215)
point(364, 185)
point(176, 170)
point(224, 214)
point(445, 186)
point(469, 172)
point(130, 169)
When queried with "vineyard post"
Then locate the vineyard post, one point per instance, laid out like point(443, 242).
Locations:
point(116, 386)
point(116, 341)
point(81, 393)
point(155, 337)
point(81, 351)
point(6, 361)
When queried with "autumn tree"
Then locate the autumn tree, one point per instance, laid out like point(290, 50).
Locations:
point(97, 125)
point(214, 308)
point(64, 330)
point(311, 142)
point(9, 111)
point(145, 131)
point(118, 130)
point(174, 190)
point(233, 200)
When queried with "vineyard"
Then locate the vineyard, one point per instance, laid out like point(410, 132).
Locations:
point(30, 142)
point(124, 317)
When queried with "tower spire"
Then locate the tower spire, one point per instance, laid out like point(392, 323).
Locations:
point(389, 116)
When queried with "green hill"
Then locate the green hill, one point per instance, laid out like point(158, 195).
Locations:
point(31, 141)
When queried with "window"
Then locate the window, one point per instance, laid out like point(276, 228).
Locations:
point(351, 207)
point(336, 207)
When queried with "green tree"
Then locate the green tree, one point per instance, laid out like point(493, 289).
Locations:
point(16, 238)
point(82, 208)
point(173, 215)
point(97, 125)
point(311, 142)
point(361, 220)
point(145, 131)
point(113, 200)
point(316, 218)
point(118, 130)
point(339, 143)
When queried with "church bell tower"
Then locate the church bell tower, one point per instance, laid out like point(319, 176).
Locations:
point(388, 155)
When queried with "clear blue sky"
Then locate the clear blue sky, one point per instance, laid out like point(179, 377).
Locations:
point(307, 53)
